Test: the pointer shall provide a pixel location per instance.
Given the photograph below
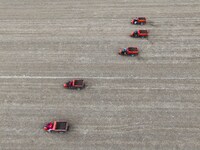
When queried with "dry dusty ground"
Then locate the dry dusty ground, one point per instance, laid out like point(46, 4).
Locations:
point(152, 103)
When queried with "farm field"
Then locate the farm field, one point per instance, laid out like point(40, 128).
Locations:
point(151, 103)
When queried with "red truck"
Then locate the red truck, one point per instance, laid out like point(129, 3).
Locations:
point(56, 126)
point(138, 21)
point(139, 33)
point(129, 51)
point(75, 84)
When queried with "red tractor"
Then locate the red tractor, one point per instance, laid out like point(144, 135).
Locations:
point(75, 84)
point(56, 126)
point(130, 51)
point(139, 33)
point(138, 21)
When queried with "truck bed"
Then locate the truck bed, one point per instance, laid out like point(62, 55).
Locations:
point(143, 31)
point(132, 48)
point(61, 125)
point(78, 82)
point(142, 18)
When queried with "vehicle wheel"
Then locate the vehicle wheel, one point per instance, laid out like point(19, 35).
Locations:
point(142, 23)
point(50, 131)
point(132, 55)
point(135, 22)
